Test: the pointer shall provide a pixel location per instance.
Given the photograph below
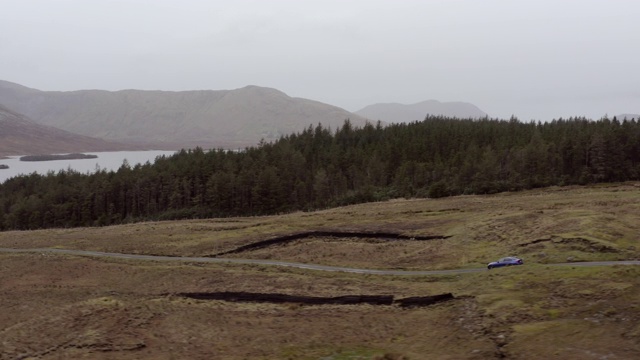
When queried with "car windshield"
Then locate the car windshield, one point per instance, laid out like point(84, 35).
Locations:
point(507, 259)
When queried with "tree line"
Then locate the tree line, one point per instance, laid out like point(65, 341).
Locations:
point(320, 168)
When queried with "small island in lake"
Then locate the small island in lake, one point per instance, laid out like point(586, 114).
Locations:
point(3, 166)
point(57, 157)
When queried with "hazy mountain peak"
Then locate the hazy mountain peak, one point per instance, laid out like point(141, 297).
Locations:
point(8, 85)
point(396, 112)
point(428, 102)
point(252, 91)
point(256, 88)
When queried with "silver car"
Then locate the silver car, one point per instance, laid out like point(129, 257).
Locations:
point(506, 261)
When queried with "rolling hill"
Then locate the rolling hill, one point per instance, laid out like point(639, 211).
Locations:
point(397, 113)
point(206, 118)
point(21, 136)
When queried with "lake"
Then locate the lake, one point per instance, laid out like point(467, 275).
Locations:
point(106, 160)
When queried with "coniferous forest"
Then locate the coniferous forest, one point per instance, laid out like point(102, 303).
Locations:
point(320, 168)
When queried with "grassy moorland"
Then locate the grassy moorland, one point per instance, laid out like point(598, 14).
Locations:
point(69, 307)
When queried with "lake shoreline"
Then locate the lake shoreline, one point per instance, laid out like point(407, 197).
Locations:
point(54, 157)
point(104, 161)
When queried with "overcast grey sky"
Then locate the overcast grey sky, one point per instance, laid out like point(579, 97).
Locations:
point(537, 59)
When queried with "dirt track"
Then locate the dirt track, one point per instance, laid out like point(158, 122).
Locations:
point(289, 264)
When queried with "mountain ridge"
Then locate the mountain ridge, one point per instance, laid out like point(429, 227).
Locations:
point(20, 135)
point(206, 118)
point(397, 112)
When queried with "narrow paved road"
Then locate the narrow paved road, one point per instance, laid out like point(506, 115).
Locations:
point(284, 263)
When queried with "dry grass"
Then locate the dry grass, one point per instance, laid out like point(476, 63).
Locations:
point(58, 307)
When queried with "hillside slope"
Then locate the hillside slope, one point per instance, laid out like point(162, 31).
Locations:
point(207, 118)
point(397, 113)
point(135, 309)
point(21, 136)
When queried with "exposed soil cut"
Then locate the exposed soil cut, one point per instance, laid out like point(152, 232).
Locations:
point(318, 300)
point(416, 301)
point(335, 234)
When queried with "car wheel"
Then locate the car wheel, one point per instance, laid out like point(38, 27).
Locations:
point(489, 267)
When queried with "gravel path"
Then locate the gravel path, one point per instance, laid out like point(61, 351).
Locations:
point(284, 263)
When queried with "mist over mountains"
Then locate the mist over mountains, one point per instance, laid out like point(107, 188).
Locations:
point(171, 120)
point(21, 136)
point(395, 113)
point(185, 119)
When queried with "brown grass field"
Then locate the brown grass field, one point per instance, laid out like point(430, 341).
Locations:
point(67, 307)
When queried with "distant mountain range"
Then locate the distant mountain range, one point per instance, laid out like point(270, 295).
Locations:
point(21, 136)
point(184, 119)
point(207, 118)
point(398, 113)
